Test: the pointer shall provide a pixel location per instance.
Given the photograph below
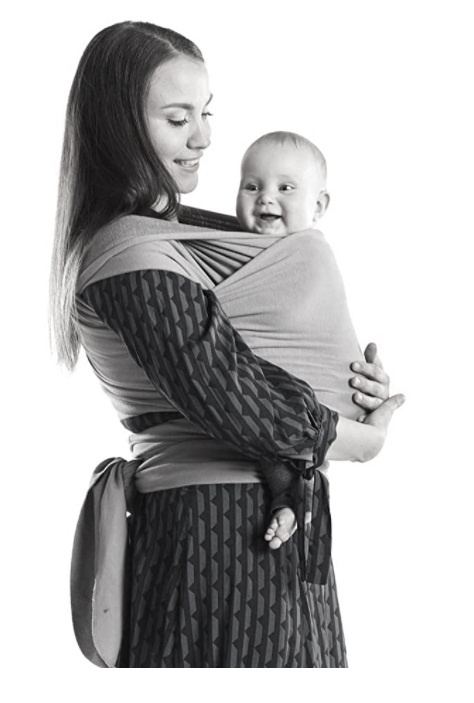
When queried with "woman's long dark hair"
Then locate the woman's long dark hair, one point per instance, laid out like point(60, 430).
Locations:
point(109, 166)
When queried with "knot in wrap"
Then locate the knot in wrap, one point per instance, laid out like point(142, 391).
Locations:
point(98, 569)
point(314, 538)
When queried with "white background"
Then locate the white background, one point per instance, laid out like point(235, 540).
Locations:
point(385, 90)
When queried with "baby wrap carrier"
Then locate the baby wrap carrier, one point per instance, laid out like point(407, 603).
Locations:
point(285, 298)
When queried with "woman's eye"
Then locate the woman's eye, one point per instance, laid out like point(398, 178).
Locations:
point(207, 114)
point(178, 123)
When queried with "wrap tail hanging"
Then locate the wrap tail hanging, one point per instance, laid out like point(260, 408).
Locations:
point(99, 562)
point(314, 537)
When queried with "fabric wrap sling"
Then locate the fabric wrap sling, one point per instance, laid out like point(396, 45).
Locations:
point(267, 287)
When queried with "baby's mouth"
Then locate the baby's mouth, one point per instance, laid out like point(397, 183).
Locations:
point(268, 217)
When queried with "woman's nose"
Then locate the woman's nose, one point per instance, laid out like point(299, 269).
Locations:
point(200, 138)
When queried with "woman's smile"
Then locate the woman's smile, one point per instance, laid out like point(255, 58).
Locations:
point(188, 164)
point(178, 112)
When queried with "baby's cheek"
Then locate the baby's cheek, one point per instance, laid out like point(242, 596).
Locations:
point(299, 219)
point(244, 216)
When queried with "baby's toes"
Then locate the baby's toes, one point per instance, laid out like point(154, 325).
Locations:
point(282, 534)
point(286, 524)
point(271, 529)
point(275, 543)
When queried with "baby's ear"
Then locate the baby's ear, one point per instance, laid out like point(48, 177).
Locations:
point(322, 205)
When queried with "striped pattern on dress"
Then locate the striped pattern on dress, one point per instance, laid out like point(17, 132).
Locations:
point(207, 592)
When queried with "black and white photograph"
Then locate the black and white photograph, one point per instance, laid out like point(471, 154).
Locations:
point(237, 347)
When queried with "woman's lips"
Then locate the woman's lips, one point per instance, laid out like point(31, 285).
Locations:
point(188, 164)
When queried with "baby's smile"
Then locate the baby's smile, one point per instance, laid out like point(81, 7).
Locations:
point(269, 217)
point(282, 188)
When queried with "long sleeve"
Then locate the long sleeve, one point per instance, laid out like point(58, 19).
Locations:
point(179, 334)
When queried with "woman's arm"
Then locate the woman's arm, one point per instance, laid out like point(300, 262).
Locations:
point(178, 333)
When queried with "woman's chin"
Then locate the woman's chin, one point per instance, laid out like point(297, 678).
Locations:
point(188, 184)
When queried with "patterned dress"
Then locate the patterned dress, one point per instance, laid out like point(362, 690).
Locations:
point(205, 590)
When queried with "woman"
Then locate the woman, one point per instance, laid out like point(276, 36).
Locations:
point(138, 290)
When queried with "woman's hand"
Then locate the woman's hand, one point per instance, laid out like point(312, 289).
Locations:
point(362, 441)
point(378, 421)
point(372, 384)
point(380, 418)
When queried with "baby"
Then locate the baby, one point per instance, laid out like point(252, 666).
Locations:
point(283, 191)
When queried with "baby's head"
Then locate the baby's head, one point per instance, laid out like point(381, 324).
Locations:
point(283, 185)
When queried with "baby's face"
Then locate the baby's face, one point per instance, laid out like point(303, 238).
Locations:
point(279, 189)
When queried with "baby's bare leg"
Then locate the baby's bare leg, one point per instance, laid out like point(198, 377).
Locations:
point(282, 526)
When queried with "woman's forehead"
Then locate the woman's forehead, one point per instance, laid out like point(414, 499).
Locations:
point(181, 81)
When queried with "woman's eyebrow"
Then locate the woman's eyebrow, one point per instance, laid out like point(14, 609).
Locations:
point(186, 106)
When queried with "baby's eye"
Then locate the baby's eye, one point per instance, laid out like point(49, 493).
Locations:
point(252, 187)
point(286, 187)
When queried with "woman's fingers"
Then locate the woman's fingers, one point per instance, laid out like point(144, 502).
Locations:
point(371, 380)
point(369, 394)
point(367, 402)
point(391, 404)
point(373, 372)
point(372, 383)
point(371, 354)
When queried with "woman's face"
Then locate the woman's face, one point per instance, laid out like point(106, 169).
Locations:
point(177, 113)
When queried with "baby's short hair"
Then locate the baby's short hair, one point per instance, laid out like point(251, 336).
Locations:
point(296, 140)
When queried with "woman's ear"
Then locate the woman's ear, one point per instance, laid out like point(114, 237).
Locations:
point(322, 205)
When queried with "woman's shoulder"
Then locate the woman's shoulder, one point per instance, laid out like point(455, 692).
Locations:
point(133, 228)
point(131, 243)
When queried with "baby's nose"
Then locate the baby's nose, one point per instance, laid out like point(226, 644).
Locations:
point(266, 196)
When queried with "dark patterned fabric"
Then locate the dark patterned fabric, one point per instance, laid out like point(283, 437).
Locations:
point(208, 593)
point(205, 218)
point(179, 334)
point(140, 423)
point(197, 217)
point(206, 589)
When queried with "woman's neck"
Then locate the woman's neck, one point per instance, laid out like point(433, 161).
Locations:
point(159, 206)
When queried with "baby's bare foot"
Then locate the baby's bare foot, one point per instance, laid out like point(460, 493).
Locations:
point(281, 528)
